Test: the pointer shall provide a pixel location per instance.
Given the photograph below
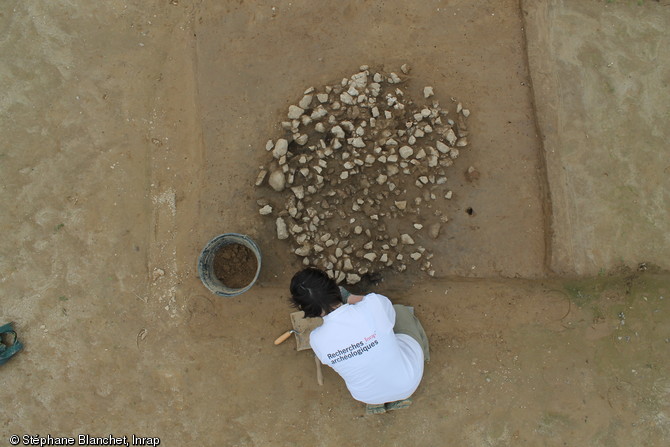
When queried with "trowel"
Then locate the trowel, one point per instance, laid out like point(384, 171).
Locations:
point(302, 327)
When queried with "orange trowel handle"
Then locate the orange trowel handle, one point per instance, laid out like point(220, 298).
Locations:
point(282, 338)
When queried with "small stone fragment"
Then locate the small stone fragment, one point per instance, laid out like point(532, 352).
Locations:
point(353, 278)
point(306, 101)
point(282, 232)
point(406, 239)
point(277, 180)
point(294, 112)
point(370, 256)
point(405, 151)
point(357, 142)
point(451, 137)
point(337, 131)
point(261, 176)
point(267, 209)
point(428, 92)
point(434, 230)
point(280, 149)
point(443, 148)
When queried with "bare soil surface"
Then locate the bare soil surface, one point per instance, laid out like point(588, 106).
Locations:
point(133, 134)
point(235, 265)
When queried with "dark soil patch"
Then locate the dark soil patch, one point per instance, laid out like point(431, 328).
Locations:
point(235, 265)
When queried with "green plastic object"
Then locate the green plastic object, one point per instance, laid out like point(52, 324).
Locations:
point(7, 351)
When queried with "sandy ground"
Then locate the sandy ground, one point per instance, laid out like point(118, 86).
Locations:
point(132, 133)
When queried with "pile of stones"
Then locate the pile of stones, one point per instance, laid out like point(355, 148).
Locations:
point(358, 182)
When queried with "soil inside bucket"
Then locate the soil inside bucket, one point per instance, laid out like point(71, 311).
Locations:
point(235, 265)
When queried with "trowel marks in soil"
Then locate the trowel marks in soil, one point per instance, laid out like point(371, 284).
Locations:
point(358, 182)
point(235, 265)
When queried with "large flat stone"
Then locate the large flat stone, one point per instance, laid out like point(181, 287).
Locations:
point(600, 74)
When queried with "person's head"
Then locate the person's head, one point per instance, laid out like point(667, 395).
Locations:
point(313, 292)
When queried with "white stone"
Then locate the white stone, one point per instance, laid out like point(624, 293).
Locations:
point(267, 209)
point(269, 145)
point(353, 278)
point(261, 176)
point(381, 179)
point(406, 239)
point(306, 101)
point(277, 180)
point(303, 250)
point(370, 256)
point(401, 204)
point(418, 226)
point(357, 142)
point(428, 92)
point(282, 232)
point(337, 131)
point(347, 99)
point(451, 137)
point(416, 256)
point(294, 112)
point(375, 112)
point(442, 147)
point(420, 154)
point(320, 127)
point(280, 148)
point(358, 229)
point(299, 192)
point(405, 151)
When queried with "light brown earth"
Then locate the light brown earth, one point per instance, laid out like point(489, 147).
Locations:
point(132, 133)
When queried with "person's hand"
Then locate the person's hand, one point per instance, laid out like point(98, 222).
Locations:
point(353, 299)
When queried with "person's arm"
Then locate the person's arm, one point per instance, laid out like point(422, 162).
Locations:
point(353, 299)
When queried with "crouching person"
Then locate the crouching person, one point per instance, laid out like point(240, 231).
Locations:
point(378, 348)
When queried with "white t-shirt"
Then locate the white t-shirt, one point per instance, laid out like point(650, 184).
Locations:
point(358, 342)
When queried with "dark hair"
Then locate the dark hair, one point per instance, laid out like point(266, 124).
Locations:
point(313, 292)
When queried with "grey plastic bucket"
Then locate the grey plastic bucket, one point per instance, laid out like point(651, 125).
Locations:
point(206, 263)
